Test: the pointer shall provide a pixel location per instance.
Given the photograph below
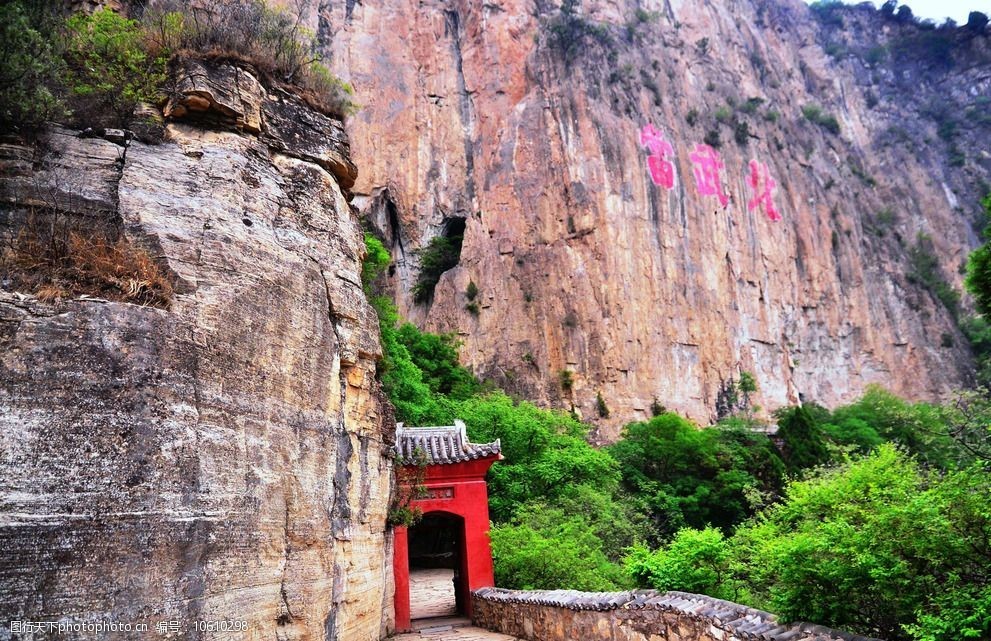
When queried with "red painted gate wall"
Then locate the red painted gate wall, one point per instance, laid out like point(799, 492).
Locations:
point(459, 489)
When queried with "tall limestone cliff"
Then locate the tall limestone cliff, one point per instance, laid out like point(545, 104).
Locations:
point(519, 121)
point(222, 460)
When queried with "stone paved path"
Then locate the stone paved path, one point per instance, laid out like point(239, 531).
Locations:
point(450, 629)
point(434, 614)
point(431, 593)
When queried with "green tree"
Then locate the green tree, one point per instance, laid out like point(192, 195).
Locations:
point(377, 258)
point(30, 72)
point(871, 545)
point(565, 554)
point(692, 476)
point(697, 561)
point(804, 441)
point(978, 280)
point(439, 255)
point(108, 70)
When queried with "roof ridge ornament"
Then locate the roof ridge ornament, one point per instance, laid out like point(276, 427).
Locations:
point(442, 444)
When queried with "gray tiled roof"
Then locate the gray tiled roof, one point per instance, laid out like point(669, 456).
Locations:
point(441, 445)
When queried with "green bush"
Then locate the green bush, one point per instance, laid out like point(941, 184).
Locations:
point(711, 138)
point(31, 70)
point(696, 477)
point(545, 452)
point(924, 269)
point(978, 280)
point(741, 132)
point(600, 406)
point(108, 70)
point(571, 33)
point(804, 440)
point(265, 36)
point(377, 258)
point(565, 554)
point(440, 254)
point(872, 545)
point(696, 561)
point(878, 546)
point(815, 114)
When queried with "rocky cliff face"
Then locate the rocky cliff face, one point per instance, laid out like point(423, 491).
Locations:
point(523, 122)
point(224, 459)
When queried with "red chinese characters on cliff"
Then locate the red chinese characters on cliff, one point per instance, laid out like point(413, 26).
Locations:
point(706, 166)
point(763, 196)
point(707, 169)
point(661, 169)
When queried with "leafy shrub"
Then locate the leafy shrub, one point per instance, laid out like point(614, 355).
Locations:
point(977, 21)
point(269, 38)
point(696, 561)
point(545, 452)
point(570, 32)
point(563, 554)
point(471, 292)
point(440, 254)
point(377, 258)
point(828, 12)
point(916, 427)
point(436, 356)
point(711, 138)
point(723, 114)
point(692, 117)
point(876, 55)
point(600, 406)
point(108, 71)
point(567, 379)
point(815, 114)
point(741, 132)
point(924, 269)
point(30, 72)
point(872, 545)
point(878, 546)
point(804, 440)
point(978, 280)
point(695, 477)
point(751, 105)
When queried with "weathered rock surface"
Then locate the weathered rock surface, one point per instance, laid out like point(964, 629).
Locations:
point(223, 460)
point(476, 110)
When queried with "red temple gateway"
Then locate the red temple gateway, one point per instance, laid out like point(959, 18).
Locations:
point(453, 534)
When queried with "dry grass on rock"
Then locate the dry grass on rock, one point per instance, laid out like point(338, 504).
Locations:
point(56, 262)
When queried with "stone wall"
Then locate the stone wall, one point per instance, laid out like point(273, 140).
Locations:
point(643, 615)
point(228, 458)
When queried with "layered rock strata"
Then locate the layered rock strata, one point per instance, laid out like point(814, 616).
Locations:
point(223, 460)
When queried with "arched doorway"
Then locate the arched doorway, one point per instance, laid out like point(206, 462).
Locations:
point(453, 535)
point(437, 566)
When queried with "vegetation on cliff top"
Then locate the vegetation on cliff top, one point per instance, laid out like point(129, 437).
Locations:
point(873, 517)
point(93, 70)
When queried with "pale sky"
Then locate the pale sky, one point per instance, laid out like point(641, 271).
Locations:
point(939, 10)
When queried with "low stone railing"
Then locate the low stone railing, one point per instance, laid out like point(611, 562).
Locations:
point(641, 615)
